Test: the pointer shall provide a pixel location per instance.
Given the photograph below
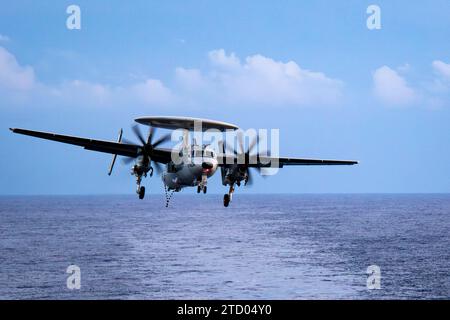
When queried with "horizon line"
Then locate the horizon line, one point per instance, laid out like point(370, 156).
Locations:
point(221, 194)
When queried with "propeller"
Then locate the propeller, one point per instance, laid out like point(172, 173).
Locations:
point(245, 156)
point(147, 145)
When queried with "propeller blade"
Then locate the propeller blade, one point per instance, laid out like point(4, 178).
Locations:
point(138, 133)
point(157, 167)
point(151, 133)
point(111, 166)
point(163, 139)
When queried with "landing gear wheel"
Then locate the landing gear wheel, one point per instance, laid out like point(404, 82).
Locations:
point(141, 192)
point(204, 189)
point(226, 199)
point(199, 189)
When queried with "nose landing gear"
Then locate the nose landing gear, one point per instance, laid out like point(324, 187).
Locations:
point(202, 188)
point(202, 185)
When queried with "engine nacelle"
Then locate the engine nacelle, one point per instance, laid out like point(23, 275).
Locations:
point(139, 170)
point(233, 174)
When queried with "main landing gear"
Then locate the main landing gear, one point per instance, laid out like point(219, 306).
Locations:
point(228, 196)
point(140, 190)
point(141, 193)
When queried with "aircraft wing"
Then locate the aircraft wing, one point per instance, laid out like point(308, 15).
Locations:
point(122, 149)
point(280, 162)
point(307, 162)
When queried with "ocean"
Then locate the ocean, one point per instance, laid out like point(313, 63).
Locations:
point(261, 247)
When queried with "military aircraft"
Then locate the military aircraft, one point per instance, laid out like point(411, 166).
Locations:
point(188, 165)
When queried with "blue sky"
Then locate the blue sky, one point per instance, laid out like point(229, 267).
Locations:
point(313, 69)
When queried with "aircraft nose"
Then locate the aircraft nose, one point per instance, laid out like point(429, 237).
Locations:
point(207, 165)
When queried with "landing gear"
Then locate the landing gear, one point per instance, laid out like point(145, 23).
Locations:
point(141, 193)
point(226, 199)
point(140, 190)
point(201, 188)
point(228, 196)
point(202, 185)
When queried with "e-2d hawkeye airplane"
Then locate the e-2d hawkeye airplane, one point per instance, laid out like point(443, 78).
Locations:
point(198, 163)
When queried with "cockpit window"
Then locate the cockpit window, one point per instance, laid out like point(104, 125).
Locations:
point(202, 153)
point(208, 154)
point(196, 153)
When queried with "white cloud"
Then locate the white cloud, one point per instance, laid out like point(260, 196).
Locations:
point(189, 79)
point(256, 81)
point(439, 87)
point(12, 75)
point(19, 84)
point(259, 81)
point(391, 88)
point(78, 91)
point(442, 68)
point(151, 91)
point(429, 91)
point(403, 69)
point(219, 58)
point(148, 92)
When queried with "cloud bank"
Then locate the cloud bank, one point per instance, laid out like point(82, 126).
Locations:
point(255, 81)
point(12, 75)
point(260, 80)
point(227, 80)
point(393, 90)
point(442, 69)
